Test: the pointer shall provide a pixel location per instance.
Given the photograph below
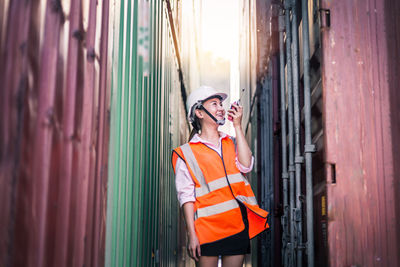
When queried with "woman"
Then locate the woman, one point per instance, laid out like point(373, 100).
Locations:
point(219, 207)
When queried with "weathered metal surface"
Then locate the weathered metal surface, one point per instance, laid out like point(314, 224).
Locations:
point(296, 106)
point(102, 145)
point(147, 116)
point(360, 52)
point(284, 166)
point(289, 81)
point(14, 75)
point(264, 128)
point(69, 140)
point(298, 157)
point(267, 167)
point(309, 148)
point(49, 131)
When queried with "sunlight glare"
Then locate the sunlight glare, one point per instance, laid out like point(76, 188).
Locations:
point(219, 26)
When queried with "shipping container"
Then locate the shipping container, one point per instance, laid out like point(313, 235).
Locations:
point(337, 130)
point(91, 108)
point(146, 123)
point(54, 132)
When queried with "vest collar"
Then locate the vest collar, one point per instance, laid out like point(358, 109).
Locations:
point(197, 139)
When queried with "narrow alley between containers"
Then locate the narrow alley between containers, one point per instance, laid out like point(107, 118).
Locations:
point(94, 99)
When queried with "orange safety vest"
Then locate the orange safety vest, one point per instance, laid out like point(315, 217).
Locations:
point(219, 186)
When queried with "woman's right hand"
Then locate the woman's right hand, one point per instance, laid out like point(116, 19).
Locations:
point(193, 247)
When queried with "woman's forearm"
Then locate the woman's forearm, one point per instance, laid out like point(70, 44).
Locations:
point(243, 149)
point(188, 212)
point(193, 244)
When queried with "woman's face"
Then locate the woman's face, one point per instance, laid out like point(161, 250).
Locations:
point(215, 107)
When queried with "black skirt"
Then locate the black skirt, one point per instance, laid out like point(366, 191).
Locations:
point(237, 244)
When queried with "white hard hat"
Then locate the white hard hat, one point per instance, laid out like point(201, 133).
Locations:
point(198, 96)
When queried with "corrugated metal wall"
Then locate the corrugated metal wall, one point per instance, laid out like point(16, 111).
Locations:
point(146, 107)
point(54, 129)
point(247, 83)
point(259, 80)
point(360, 51)
point(272, 150)
point(69, 69)
point(354, 126)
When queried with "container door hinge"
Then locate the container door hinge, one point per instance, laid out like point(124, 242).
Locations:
point(310, 148)
point(325, 18)
point(331, 173)
point(297, 214)
point(302, 246)
point(299, 160)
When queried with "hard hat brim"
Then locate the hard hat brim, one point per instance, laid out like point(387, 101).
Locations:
point(221, 96)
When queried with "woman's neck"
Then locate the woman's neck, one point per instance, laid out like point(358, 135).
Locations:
point(211, 135)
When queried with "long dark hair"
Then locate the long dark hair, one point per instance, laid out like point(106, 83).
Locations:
point(196, 127)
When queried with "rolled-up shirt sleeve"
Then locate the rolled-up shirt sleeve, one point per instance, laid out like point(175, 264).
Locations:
point(242, 168)
point(184, 183)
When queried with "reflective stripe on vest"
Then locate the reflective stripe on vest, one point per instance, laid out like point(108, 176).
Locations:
point(220, 183)
point(217, 208)
point(192, 162)
point(224, 206)
point(248, 200)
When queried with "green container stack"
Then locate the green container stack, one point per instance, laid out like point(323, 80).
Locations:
point(142, 210)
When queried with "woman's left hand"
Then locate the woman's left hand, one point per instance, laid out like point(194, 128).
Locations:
point(236, 113)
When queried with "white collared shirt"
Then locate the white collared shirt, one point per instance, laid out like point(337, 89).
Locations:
point(183, 180)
